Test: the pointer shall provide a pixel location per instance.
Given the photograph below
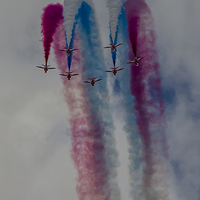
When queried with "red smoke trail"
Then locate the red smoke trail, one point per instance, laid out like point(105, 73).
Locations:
point(133, 17)
point(50, 20)
point(149, 109)
point(88, 150)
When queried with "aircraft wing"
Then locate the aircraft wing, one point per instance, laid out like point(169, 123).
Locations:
point(130, 62)
point(140, 58)
point(63, 50)
point(40, 67)
point(86, 82)
point(120, 69)
point(107, 47)
point(98, 80)
point(74, 49)
point(119, 44)
point(74, 74)
point(51, 68)
point(63, 74)
point(108, 71)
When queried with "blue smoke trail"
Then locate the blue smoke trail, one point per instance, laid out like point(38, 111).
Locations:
point(98, 97)
point(69, 58)
point(114, 54)
point(135, 144)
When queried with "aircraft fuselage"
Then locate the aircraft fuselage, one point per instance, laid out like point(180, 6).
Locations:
point(113, 47)
point(68, 51)
point(69, 76)
point(92, 83)
point(136, 62)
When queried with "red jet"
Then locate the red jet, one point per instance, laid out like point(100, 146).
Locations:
point(92, 81)
point(136, 61)
point(45, 67)
point(113, 46)
point(114, 70)
point(68, 50)
point(69, 75)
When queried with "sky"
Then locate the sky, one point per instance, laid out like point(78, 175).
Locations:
point(35, 134)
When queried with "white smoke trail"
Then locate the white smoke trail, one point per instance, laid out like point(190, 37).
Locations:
point(114, 8)
point(70, 10)
point(90, 44)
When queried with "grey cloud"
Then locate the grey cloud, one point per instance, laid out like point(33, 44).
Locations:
point(178, 30)
point(34, 145)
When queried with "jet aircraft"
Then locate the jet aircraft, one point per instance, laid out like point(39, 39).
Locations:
point(68, 50)
point(69, 75)
point(92, 81)
point(136, 61)
point(113, 46)
point(114, 70)
point(45, 67)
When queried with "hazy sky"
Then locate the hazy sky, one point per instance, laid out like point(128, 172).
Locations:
point(35, 137)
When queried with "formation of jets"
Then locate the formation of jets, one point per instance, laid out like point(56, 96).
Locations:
point(45, 67)
point(69, 75)
point(68, 50)
point(113, 46)
point(92, 80)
